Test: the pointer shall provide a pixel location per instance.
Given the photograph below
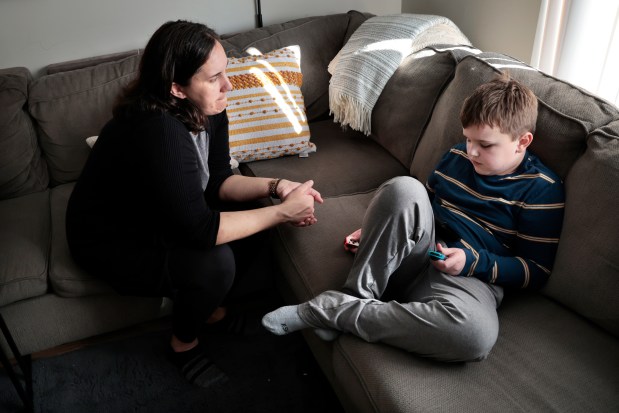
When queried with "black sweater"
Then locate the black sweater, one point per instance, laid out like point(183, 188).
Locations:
point(140, 194)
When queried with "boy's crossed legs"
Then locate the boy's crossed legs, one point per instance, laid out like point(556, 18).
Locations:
point(436, 315)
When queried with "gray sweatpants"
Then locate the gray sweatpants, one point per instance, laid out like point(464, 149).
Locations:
point(395, 296)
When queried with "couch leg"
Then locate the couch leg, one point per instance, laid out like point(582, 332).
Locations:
point(25, 364)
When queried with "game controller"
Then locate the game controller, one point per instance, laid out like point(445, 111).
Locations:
point(435, 255)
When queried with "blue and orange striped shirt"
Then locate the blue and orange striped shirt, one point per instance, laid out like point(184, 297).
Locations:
point(509, 225)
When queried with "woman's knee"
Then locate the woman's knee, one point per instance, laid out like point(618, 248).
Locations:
point(213, 269)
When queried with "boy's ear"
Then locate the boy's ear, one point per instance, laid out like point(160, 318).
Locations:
point(177, 91)
point(524, 141)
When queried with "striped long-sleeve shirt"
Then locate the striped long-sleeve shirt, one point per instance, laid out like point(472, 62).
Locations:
point(509, 225)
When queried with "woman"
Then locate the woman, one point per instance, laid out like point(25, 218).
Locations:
point(144, 214)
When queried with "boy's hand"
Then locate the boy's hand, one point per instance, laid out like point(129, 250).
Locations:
point(453, 264)
point(351, 242)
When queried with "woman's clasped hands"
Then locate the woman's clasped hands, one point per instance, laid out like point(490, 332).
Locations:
point(298, 202)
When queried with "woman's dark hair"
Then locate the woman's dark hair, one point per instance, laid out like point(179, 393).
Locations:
point(173, 54)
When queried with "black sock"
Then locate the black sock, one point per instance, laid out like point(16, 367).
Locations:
point(197, 368)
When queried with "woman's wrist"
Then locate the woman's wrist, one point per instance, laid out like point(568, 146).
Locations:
point(273, 184)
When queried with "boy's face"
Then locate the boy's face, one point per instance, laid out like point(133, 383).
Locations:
point(492, 152)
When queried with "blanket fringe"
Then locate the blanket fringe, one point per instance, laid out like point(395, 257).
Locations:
point(363, 66)
point(349, 111)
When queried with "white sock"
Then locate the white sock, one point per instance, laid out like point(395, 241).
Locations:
point(284, 320)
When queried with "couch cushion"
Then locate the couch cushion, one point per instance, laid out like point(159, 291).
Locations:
point(65, 277)
point(345, 162)
point(586, 272)
point(537, 373)
point(566, 114)
point(71, 106)
point(320, 38)
point(48, 321)
point(22, 170)
point(313, 259)
point(24, 246)
point(407, 101)
point(546, 358)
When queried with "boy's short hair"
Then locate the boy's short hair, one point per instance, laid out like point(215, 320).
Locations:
point(504, 103)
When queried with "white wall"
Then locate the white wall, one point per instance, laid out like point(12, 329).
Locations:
point(276, 11)
point(505, 26)
point(35, 33)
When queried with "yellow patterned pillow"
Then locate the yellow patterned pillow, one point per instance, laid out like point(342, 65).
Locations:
point(265, 109)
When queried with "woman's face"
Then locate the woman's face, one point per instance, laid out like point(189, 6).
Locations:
point(207, 88)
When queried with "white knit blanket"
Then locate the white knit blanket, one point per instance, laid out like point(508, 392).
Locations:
point(375, 50)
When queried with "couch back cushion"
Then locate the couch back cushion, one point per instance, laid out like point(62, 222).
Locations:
point(586, 272)
point(577, 137)
point(71, 106)
point(88, 62)
point(22, 170)
point(319, 38)
point(566, 114)
point(404, 107)
point(24, 247)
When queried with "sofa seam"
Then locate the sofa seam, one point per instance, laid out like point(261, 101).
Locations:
point(365, 192)
point(29, 278)
point(32, 103)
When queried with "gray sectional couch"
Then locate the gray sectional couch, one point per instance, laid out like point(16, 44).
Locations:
point(558, 349)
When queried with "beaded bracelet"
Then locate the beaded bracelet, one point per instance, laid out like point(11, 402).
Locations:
point(273, 187)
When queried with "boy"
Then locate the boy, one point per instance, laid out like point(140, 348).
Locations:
point(498, 212)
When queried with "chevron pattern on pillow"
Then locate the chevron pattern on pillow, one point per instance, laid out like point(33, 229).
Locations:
point(266, 111)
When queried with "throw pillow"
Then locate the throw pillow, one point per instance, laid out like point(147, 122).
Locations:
point(266, 109)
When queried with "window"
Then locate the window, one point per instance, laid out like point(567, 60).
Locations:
point(578, 41)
